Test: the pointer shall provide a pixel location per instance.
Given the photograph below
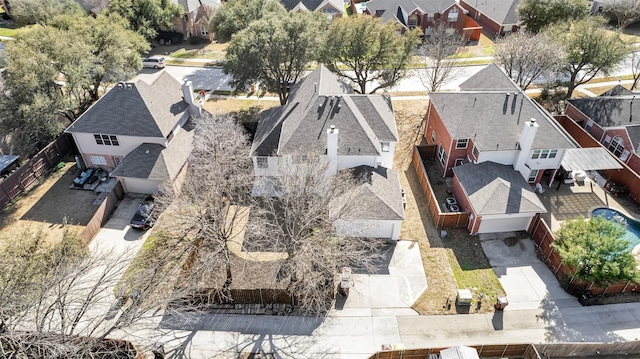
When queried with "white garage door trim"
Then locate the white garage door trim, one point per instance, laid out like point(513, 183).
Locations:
point(504, 224)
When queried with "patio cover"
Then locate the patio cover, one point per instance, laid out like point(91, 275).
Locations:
point(6, 161)
point(459, 352)
point(589, 159)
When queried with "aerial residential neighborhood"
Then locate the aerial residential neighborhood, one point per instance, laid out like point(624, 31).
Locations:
point(319, 179)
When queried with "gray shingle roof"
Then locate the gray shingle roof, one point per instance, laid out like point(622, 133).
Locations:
point(311, 5)
point(497, 189)
point(610, 111)
point(136, 109)
point(491, 78)
point(634, 135)
point(494, 121)
point(378, 195)
point(617, 90)
point(317, 102)
point(503, 12)
point(391, 6)
point(155, 162)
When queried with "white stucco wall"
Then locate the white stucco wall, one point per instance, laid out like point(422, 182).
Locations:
point(387, 157)
point(355, 161)
point(387, 229)
point(501, 157)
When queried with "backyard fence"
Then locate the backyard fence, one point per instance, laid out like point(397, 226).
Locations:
point(625, 176)
point(526, 351)
point(39, 165)
point(215, 299)
point(441, 219)
point(102, 214)
point(543, 238)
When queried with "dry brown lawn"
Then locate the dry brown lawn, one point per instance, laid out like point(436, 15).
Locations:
point(238, 104)
point(50, 205)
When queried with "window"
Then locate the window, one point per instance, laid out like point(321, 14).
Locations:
point(476, 153)
point(462, 143)
point(453, 15)
point(99, 160)
point(553, 153)
point(430, 17)
point(204, 31)
point(588, 126)
point(330, 13)
point(263, 162)
point(116, 161)
point(413, 21)
point(617, 146)
point(107, 140)
point(533, 175)
point(607, 141)
point(442, 156)
point(433, 136)
point(536, 154)
point(386, 146)
point(460, 161)
point(544, 154)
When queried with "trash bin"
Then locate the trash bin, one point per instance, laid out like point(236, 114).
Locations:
point(501, 303)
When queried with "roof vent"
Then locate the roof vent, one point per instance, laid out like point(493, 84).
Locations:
point(120, 85)
point(146, 151)
point(129, 86)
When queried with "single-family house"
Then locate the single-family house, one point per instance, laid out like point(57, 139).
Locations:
point(194, 22)
point(497, 17)
point(141, 133)
point(331, 8)
point(496, 143)
point(613, 119)
point(424, 14)
point(323, 117)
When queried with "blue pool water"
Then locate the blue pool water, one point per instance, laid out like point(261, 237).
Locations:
point(632, 226)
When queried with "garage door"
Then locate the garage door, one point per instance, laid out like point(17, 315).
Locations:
point(137, 185)
point(504, 224)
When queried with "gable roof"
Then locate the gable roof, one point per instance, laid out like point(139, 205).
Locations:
point(155, 162)
point(378, 195)
point(617, 90)
point(502, 12)
point(390, 8)
point(494, 120)
point(491, 78)
point(136, 109)
point(191, 5)
point(610, 111)
point(634, 136)
point(311, 5)
point(317, 102)
point(493, 188)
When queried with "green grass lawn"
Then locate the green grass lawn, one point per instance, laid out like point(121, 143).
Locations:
point(10, 30)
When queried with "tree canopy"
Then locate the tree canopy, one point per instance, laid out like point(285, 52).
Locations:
point(146, 16)
point(235, 15)
point(527, 56)
point(589, 49)
point(596, 250)
point(273, 51)
point(625, 12)
point(28, 12)
point(538, 14)
point(373, 52)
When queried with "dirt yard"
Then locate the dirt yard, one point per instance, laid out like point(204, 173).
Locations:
point(50, 204)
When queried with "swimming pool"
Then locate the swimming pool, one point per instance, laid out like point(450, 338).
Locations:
point(632, 226)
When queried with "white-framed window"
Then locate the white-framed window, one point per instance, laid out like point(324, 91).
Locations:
point(536, 154)
point(430, 17)
point(617, 146)
point(262, 162)
point(107, 140)
point(462, 143)
point(413, 21)
point(460, 161)
point(588, 126)
point(553, 153)
point(330, 13)
point(116, 161)
point(442, 156)
point(532, 176)
point(204, 30)
point(607, 141)
point(433, 136)
point(385, 146)
point(453, 15)
point(98, 160)
point(476, 152)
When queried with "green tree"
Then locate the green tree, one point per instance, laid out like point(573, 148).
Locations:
point(273, 51)
point(589, 48)
point(236, 15)
point(364, 50)
point(538, 14)
point(29, 12)
point(146, 16)
point(596, 250)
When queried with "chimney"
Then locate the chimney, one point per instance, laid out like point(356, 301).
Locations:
point(187, 94)
point(332, 149)
point(526, 142)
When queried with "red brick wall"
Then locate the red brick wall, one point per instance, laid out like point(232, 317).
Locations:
point(434, 123)
point(622, 133)
point(579, 117)
point(487, 24)
point(464, 204)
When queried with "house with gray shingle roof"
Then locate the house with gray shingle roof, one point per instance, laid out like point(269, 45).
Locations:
point(331, 8)
point(497, 17)
point(196, 17)
point(141, 133)
point(323, 117)
point(497, 144)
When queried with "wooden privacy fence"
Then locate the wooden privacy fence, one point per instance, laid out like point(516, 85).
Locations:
point(39, 165)
point(211, 298)
point(102, 214)
point(526, 351)
point(441, 219)
point(543, 238)
point(581, 350)
point(624, 176)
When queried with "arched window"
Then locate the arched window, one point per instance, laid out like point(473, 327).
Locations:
point(617, 146)
point(453, 15)
point(413, 21)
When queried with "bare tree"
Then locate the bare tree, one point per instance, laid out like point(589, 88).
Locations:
point(437, 50)
point(625, 12)
point(300, 219)
point(635, 69)
point(526, 56)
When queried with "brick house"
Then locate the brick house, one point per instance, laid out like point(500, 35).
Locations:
point(497, 17)
point(194, 22)
point(331, 8)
